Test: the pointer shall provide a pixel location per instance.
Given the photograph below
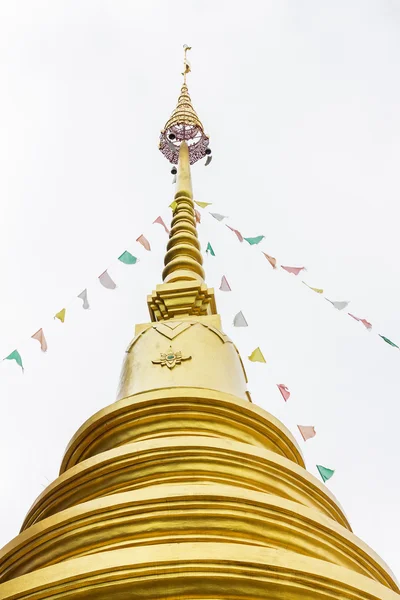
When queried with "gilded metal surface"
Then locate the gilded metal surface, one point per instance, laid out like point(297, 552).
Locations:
point(181, 411)
point(183, 259)
point(184, 126)
point(215, 362)
point(185, 461)
point(183, 292)
point(216, 513)
point(183, 488)
point(170, 358)
point(195, 570)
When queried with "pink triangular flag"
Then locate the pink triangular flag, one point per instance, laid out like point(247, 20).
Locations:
point(271, 260)
point(236, 232)
point(160, 222)
point(284, 391)
point(293, 270)
point(39, 336)
point(106, 281)
point(197, 215)
point(307, 431)
point(224, 287)
point(366, 324)
point(142, 240)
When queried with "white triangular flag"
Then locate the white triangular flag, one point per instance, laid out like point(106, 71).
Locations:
point(218, 216)
point(338, 304)
point(239, 320)
point(106, 281)
point(83, 297)
point(39, 336)
point(224, 287)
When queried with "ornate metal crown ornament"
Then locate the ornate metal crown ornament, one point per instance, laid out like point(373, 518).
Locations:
point(184, 125)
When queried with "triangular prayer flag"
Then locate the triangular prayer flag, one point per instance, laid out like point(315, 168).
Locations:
point(127, 258)
point(202, 204)
point(145, 243)
point(293, 270)
point(239, 320)
point(284, 391)
point(197, 215)
point(237, 233)
point(366, 324)
point(388, 341)
point(106, 281)
point(338, 304)
point(161, 222)
point(325, 472)
point(257, 356)
point(317, 290)
point(254, 240)
point(307, 431)
point(39, 336)
point(83, 296)
point(271, 260)
point(218, 216)
point(210, 249)
point(224, 287)
point(15, 355)
point(173, 205)
point(60, 315)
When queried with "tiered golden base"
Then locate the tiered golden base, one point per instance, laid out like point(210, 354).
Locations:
point(188, 493)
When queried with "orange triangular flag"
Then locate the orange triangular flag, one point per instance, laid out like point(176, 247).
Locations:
point(39, 336)
point(145, 243)
point(197, 215)
point(307, 431)
point(271, 260)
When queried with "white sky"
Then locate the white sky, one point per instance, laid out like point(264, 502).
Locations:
point(301, 101)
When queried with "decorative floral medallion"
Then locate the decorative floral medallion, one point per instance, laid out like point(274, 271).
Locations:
point(170, 359)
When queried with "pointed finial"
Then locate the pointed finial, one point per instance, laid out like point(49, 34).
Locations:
point(184, 126)
point(186, 63)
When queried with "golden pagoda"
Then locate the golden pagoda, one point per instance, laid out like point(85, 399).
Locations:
point(183, 488)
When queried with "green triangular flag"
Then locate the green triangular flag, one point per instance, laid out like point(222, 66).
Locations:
point(210, 249)
point(127, 258)
point(255, 240)
point(325, 472)
point(15, 355)
point(388, 341)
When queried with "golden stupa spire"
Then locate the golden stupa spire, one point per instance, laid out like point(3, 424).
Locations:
point(183, 142)
point(183, 488)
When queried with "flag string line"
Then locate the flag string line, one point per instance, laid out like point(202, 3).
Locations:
point(106, 281)
point(306, 431)
point(339, 305)
point(126, 257)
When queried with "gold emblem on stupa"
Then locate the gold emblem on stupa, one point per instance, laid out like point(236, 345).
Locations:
point(170, 359)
